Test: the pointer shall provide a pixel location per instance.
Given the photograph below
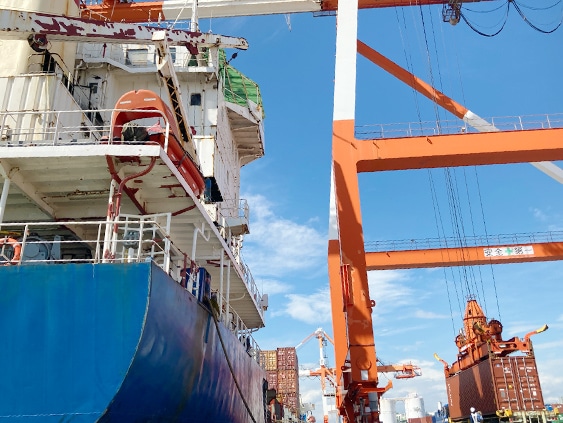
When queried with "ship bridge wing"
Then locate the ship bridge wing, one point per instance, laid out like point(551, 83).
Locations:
point(245, 111)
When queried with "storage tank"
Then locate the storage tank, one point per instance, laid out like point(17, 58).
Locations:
point(387, 410)
point(414, 407)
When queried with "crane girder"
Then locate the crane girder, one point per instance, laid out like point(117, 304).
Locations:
point(155, 11)
point(20, 25)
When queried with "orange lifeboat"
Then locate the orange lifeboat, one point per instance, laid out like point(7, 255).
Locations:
point(141, 104)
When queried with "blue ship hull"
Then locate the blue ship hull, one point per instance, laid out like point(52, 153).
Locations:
point(117, 343)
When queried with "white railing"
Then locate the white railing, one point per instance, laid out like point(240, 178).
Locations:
point(449, 127)
point(470, 241)
point(127, 239)
point(235, 324)
point(49, 242)
point(140, 57)
point(70, 127)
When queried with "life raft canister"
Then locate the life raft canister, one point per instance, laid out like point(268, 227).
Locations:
point(16, 246)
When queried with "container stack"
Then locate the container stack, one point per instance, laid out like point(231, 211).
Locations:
point(283, 375)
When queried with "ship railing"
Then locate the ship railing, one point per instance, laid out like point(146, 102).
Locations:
point(450, 127)
point(516, 239)
point(133, 239)
point(232, 215)
point(235, 324)
point(73, 127)
point(142, 58)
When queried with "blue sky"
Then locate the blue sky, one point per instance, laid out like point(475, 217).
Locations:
point(418, 312)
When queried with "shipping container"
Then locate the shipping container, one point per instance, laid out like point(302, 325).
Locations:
point(290, 400)
point(269, 359)
point(288, 381)
point(286, 358)
point(425, 419)
point(272, 378)
point(498, 383)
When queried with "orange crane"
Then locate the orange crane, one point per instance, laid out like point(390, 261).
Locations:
point(479, 339)
point(326, 374)
point(357, 370)
point(169, 10)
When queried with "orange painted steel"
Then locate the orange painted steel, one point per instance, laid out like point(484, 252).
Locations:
point(116, 11)
point(374, 4)
point(411, 80)
point(348, 261)
point(466, 256)
point(480, 340)
point(152, 11)
point(469, 149)
point(351, 303)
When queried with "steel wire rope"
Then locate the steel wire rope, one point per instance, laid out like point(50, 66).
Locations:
point(460, 231)
point(409, 63)
point(431, 74)
point(441, 87)
point(470, 208)
point(438, 214)
point(454, 219)
point(457, 66)
point(487, 239)
point(453, 196)
point(436, 112)
point(440, 82)
point(178, 16)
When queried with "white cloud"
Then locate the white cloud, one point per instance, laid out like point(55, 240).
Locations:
point(278, 246)
point(309, 308)
point(539, 214)
point(272, 286)
point(424, 314)
point(387, 287)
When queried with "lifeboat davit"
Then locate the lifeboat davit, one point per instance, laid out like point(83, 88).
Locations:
point(142, 104)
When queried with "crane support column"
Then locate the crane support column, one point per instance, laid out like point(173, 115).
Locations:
point(356, 363)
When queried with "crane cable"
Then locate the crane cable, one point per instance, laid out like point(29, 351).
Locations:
point(518, 9)
point(455, 208)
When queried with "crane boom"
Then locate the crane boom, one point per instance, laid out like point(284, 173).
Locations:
point(180, 9)
point(20, 25)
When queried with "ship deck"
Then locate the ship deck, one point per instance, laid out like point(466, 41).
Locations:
point(57, 179)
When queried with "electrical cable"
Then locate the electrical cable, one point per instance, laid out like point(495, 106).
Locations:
point(518, 9)
point(530, 24)
point(480, 32)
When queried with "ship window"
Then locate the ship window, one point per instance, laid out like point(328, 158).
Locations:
point(195, 99)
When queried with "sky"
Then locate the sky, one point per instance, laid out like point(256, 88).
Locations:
point(419, 312)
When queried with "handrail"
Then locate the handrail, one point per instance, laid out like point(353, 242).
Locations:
point(469, 241)
point(449, 127)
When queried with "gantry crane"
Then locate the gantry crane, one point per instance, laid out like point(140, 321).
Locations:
point(352, 306)
point(327, 374)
